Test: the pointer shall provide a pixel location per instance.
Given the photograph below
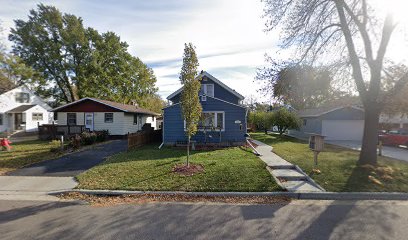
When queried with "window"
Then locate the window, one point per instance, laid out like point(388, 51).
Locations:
point(208, 89)
point(37, 117)
point(22, 97)
point(109, 117)
point(304, 122)
point(1, 119)
point(71, 119)
point(203, 98)
point(212, 120)
point(135, 119)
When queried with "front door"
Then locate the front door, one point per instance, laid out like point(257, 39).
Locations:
point(18, 121)
point(89, 121)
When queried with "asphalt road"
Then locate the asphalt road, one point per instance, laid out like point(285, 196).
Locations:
point(72, 164)
point(296, 220)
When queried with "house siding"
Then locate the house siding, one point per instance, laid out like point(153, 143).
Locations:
point(8, 102)
point(115, 128)
point(173, 123)
point(219, 92)
point(122, 122)
point(32, 125)
point(314, 124)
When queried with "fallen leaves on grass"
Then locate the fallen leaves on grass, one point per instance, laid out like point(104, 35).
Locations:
point(188, 170)
point(106, 200)
point(375, 180)
point(382, 172)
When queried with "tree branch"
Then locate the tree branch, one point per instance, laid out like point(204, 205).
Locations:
point(355, 63)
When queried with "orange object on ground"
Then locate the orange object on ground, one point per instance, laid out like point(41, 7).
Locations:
point(5, 144)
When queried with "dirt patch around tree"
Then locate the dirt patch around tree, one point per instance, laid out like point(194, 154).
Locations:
point(188, 170)
point(106, 200)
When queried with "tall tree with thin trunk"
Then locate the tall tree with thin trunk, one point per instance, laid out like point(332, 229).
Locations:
point(190, 103)
point(350, 31)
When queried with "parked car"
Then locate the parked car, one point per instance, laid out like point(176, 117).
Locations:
point(394, 137)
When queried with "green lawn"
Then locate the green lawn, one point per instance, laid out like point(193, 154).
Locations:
point(25, 153)
point(148, 168)
point(338, 165)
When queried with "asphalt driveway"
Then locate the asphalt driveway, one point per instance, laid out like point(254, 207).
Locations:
point(72, 164)
point(392, 152)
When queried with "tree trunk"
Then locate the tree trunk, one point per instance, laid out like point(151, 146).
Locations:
point(188, 151)
point(368, 154)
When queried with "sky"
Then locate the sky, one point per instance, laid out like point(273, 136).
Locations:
point(228, 34)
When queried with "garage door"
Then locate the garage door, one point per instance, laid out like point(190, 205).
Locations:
point(343, 129)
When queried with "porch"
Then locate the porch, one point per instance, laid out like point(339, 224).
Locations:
point(52, 131)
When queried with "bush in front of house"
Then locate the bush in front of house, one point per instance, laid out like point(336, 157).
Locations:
point(88, 138)
point(102, 136)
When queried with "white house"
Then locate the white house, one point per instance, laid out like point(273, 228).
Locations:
point(22, 110)
point(97, 114)
point(393, 121)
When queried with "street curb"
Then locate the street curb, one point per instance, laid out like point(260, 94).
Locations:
point(292, 195)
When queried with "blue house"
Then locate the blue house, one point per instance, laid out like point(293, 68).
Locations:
point(223, 118)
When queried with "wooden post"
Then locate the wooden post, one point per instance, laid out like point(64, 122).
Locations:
point(315, 154)
point(380, 145)
point(62, 142)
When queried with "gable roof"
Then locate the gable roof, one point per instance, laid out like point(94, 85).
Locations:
point(119, 106)
point(20, 109)
point(317, 112)
point(206, 74)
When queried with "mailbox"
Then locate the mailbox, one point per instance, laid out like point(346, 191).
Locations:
point(316, 142)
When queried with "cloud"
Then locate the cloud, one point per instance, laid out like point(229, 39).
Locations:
point(228, 34)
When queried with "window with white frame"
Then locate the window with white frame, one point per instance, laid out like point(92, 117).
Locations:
point(1, 119)
point(108, 117)
point(37, 117)
point(212, 120)
point(208, 89)
point(22, 97)
point(71, 119)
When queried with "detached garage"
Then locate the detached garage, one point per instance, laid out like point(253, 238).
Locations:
point(340, 123)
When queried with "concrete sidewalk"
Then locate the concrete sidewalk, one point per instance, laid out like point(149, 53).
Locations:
point(287, 175)
point(33, 188)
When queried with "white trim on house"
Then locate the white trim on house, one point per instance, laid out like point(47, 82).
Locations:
point(172, 105)
point(204, 73)
point(215, 121)
point(227, 102)
point(205, 89)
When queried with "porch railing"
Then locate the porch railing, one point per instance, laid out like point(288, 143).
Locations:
point(52, 131)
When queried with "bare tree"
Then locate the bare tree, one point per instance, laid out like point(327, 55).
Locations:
point(327, 30)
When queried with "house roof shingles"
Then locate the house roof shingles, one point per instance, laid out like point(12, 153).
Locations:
point(20, 109)
point(315, 112)
point(119, 106)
